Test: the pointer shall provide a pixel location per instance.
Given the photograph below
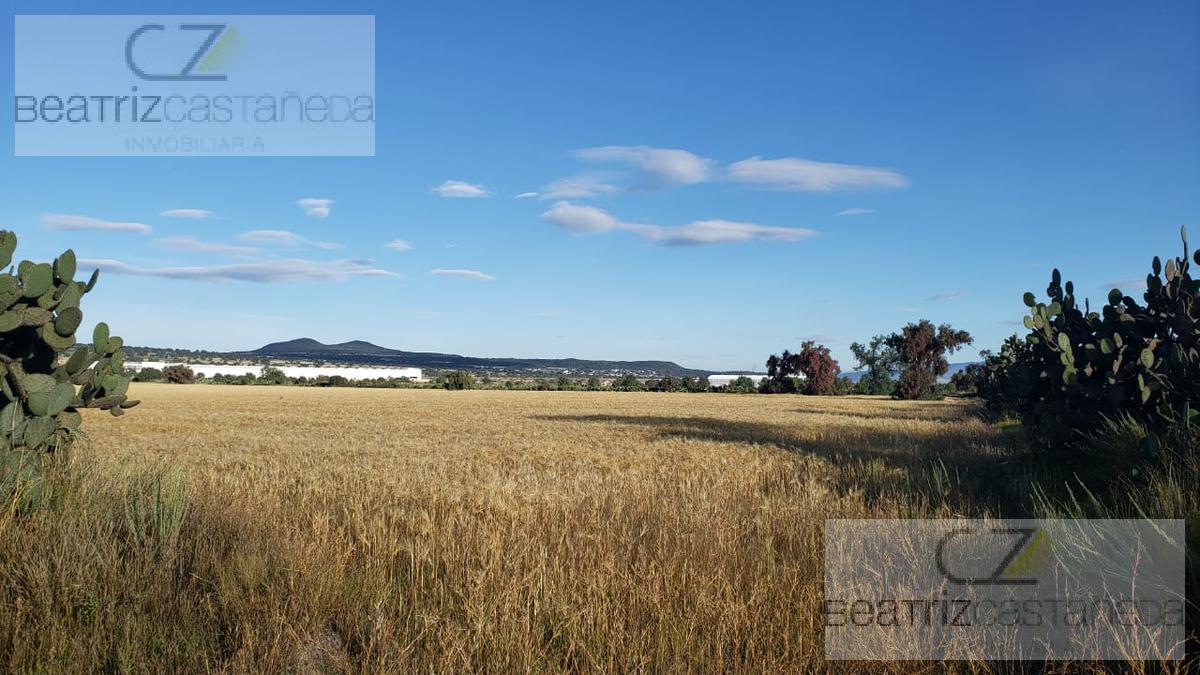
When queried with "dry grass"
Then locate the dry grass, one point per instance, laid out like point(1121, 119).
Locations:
point(371, 530)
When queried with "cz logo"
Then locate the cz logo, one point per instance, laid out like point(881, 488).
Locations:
point(221, 40)
point(1029, 553)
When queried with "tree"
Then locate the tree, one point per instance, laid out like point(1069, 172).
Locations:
point(179, 374)
point(813, 361)
point(781, 374)
point(626, 383)
point(742, 385)
point(966, 381)
point(272, 375)
point(668, 383)
point(878, 361)
point(594, 384)
point(922, 349)
point(458, 380)
point(820, 370)
point(148, 375)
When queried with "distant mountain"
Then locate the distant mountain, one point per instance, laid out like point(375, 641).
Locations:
point(361, 352)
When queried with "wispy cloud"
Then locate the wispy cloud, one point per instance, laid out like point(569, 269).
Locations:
point(475, 275)
point(526, 195)
point(583, 219)
point(284, 271)
point(61, 221)
point(1138, 283)
point(855, 212)
point(187, 213)
point(188, 243)
point(457, 189)
point(952, 295)
point(579, 187)
point(825, 338)
point(793, 174)
point(284, 239)
point(656, 167)
point(398, 245)
point(315, 207)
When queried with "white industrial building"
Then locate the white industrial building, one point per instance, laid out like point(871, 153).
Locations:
point(348, 372)
point(724, 380)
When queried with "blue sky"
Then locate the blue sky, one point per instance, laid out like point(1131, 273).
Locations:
point(713, 183)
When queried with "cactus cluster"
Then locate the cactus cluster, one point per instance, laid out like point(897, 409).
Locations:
point(1128, 358)
point(45, 377)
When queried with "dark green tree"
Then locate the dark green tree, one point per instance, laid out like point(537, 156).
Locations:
point(922, 349)
point(878, 361)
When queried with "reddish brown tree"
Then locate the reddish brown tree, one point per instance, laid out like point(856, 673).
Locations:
point(820, 370)
point(813, 361)
point(923, 349)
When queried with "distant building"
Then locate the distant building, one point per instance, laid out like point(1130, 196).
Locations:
point(348, 372)
point(724, 380)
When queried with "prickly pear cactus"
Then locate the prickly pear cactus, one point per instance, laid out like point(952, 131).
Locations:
point(43, 382)
point(1129, 358)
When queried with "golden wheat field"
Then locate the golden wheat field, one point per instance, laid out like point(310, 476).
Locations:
point(254, 529)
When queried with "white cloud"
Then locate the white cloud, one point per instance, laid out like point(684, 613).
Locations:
point(659, 167)
point(285, 271)
point(187, 243)
point(283, 238)
point(526, 195)
point(802, 175)
point(463, 274)
point(1138, 283)
point(315, 207)
point(703, 232)
point(578, 187)
point(458, 189)
point(855, 212)
point(186, 213)
point(398, 245)
point(589, 219)
point(579, 218)
point(60, 221)
point(952, 295)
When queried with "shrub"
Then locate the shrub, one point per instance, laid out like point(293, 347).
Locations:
point(458, 380)
point(922, 350)
point(155, 503)
point(593, 384)
point(39, 314)
point(1077, 368)
point(179, 374)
